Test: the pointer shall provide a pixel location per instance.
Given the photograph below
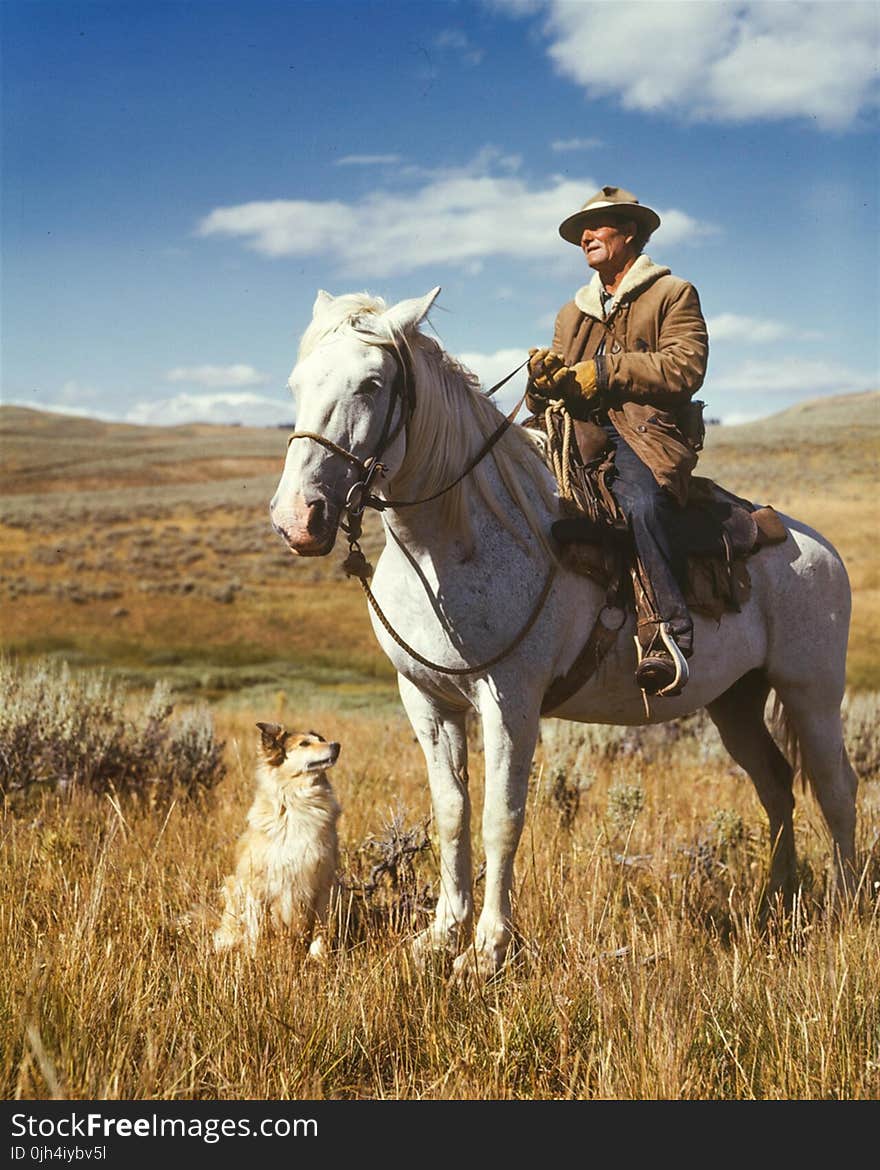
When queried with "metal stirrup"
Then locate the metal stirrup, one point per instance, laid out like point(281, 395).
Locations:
point(681, 667)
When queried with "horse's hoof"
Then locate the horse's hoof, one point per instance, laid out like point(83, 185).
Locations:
point(473, 968)
point(466, 972)
point(429, 954)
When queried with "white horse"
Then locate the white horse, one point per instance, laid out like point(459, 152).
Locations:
point(478, 614)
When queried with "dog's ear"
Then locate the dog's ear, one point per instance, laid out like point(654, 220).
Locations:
point(272, 741)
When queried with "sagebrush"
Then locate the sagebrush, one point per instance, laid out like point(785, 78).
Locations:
point(68, 731)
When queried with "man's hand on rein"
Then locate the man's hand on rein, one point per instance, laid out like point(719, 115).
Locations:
point(544, 364)
point(552, 380)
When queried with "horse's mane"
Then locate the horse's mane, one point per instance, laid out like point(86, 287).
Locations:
point(452, 420)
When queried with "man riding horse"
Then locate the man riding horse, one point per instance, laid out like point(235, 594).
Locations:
point(628, 353)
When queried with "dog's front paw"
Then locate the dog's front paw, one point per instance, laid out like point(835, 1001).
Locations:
point(227, 939)
point(318, 949)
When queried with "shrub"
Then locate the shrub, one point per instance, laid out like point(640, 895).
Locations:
point(625, 802)
point(391, 894)
point(860, 720)
point(577, 748)
point(66, 731)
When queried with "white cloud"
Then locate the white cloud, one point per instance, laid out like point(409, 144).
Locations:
point(251, 410)
point(216, 376)
point(487, 159)
point(73, 398)
point(752, 330)
point(281, 227)
point(723, 60)
point(73, 391)
point(456, 217)
point(492, 367)
point(367, 160)
point(812, 60)
point(565, 145)
point(678, 227)
point(735, 417)
point(801, 377)
point(459, 43)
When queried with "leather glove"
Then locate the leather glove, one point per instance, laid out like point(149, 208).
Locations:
point(573, 384)
point(544, 364)
point(535, 401)
point(536, 361)
point(579, 382)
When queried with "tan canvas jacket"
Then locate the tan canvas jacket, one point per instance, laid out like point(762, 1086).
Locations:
point(656, 349)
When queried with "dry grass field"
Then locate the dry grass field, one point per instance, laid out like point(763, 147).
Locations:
point(641, 971)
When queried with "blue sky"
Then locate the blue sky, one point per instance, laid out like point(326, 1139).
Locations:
point(179, 180)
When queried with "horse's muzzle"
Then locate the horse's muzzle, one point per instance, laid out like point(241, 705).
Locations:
point(308, 528)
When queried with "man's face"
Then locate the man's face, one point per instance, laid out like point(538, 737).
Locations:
point(608, 244)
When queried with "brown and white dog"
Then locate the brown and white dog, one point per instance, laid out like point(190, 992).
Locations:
point(287, 857)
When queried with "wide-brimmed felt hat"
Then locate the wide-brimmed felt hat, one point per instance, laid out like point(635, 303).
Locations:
point(598, 206)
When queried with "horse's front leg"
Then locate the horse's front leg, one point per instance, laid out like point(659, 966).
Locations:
point(441, 733)
point(509, 739)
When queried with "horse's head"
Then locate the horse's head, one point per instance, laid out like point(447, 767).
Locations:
point(352, 388)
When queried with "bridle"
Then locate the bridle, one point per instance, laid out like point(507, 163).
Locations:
point(360, 496)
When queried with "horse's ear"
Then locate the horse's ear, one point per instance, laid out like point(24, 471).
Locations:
point(407, 314)
point(322, 300)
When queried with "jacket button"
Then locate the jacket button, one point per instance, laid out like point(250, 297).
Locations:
point(642, 427)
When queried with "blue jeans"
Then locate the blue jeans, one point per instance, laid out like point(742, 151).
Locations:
point(652, 514)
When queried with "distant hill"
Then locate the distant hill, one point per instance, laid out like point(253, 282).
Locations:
point(78, 460)
point(817, 420)
point(47, 452)
point(150, 548)
point(23, 421)
point(817, 449)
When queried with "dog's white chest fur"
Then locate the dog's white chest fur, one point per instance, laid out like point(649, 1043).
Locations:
point(299, 831)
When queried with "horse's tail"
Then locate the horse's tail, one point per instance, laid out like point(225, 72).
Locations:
point(785, 733)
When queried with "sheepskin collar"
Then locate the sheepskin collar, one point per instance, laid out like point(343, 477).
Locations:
point(643, 272)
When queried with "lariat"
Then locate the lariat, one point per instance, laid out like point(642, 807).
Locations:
point(559, 447)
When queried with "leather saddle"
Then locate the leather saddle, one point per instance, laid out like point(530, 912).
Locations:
point(717, 530)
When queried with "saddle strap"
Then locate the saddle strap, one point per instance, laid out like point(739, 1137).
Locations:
point(600, 641)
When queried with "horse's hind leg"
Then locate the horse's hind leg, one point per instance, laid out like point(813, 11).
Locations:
point(815, 718)
point(739, 716)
